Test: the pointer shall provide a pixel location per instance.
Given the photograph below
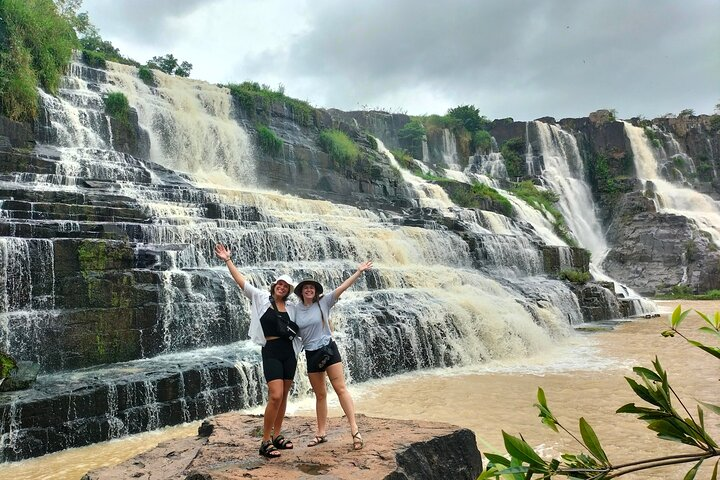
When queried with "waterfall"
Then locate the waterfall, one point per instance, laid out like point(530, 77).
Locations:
point(426, 193)
point(491, 165)
point(529, 155)
point(191, 124)
point(449, 150)
point(437, 297)
point(668, 197)
point(564, 173)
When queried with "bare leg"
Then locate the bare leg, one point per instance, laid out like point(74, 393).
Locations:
point(280, 415)
point(275, 399)
point(337, 379)
point(317, 381)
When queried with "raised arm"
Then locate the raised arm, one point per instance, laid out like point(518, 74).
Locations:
point(224, 255)
point(352, 278)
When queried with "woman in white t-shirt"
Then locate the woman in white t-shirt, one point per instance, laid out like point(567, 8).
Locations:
point(271, 326)
point(321, 351)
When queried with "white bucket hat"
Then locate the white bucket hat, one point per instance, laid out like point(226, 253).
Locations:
point(287, 279)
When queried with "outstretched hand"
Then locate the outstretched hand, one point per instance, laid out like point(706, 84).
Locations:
point(365, 266)
point(222, 252)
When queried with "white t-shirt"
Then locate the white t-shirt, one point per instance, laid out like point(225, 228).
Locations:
point(314, 332)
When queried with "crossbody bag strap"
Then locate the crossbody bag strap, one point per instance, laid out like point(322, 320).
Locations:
point(322, 315)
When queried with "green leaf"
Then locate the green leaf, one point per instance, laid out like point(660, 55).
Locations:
point(545, 414)
point(713, 408)
point(715, 323)
point(715, 471)
point(709, 330)
point(541, 397)
point(488, 474)
point(714, 351)
point(678, 316)
point(497, 459)
point(668, 430)
point(647, 373)
point(701, 417)
point(642, 392)
point(690, 475)
point(521, 450)
point(591, 441)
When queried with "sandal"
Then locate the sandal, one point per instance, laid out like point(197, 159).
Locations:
point(317, 440)
point(358, 442)
point(268, 450)
point(282, 443)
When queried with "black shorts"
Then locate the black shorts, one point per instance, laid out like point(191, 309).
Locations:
point(319, 360)
point(279, 360)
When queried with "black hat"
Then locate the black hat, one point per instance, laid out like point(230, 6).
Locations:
point(299, 287)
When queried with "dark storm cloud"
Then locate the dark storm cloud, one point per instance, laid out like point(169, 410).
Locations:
point(520, 58)
point(149, 21)
point(516, 58)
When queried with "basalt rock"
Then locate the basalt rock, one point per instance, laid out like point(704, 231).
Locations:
point(598, 302)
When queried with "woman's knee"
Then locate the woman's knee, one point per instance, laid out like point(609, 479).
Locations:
point(275, 392)
point(320, 393)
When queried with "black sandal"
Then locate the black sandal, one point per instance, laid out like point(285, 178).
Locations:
point(358, 442)
point(282, 443)
point(268, 450)
point(317, 440)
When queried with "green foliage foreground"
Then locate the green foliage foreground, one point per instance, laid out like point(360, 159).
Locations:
point(671, 422)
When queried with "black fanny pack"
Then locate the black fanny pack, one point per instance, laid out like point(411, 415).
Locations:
point(284, 327)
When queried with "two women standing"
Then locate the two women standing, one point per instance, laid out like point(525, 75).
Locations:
point(274, 324)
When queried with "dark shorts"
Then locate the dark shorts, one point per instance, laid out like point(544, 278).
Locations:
point(319, 360)
point(279, 360)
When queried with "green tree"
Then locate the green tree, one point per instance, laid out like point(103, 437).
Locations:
point(412, 133)
point(170, 65)
point(667, 415)
point(512, 151)
point(469, 117)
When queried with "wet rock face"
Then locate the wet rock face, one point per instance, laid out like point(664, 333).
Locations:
point(303, 168)
point(413, 450)
point(117, 400)
point(654, 252)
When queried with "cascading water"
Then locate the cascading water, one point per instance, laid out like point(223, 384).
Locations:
point(431, 301)
point(671, 198)
point(449, 150)
point(564, 173)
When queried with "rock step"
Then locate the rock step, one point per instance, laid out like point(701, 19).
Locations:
point(14, 162)
point(45, 229)
point(89, 406)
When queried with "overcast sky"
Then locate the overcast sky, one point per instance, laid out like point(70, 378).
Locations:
point(510, 58)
